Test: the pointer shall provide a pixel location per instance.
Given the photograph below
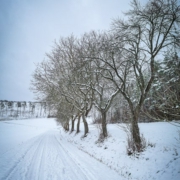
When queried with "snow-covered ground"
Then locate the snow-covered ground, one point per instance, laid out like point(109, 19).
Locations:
point(160, 162)
point(39, 149)
point(34, 149)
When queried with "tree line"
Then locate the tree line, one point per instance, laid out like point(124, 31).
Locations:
point(132, 69)
point(23, 109)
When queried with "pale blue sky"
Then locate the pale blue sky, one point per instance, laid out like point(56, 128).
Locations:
point(28, 29)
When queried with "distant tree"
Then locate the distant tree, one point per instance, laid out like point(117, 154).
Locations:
point(23, 104)
point(44, 107)
point(29, 105)
point(2, 107)
point(19, 105)
point(10, 107)
point(6, 106)
point(41, 106)
point(33, 109)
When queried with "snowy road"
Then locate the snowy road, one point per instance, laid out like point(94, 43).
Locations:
point(48, 157)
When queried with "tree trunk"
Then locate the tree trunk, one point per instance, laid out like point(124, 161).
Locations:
point(41, 110)
point(17, 110)
point(103, 122)
point(6, 110)
point(86, 129)
point(135, 131)
point(66, 126)
point(72, 124)
point(78, 124)
point(20, 111)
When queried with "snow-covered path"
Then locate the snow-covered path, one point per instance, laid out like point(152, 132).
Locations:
point(48, 156)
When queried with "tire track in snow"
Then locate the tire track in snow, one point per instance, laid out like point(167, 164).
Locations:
point(78, 165)
point(17, 158)
point(34, 164)
point(47, 157)
point(88, 165)
point(74, 170)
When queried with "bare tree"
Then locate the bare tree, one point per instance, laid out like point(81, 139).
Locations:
point(148, 31)
point(58, 77)
point(10, 107)
point(24, 107)
point(132, 49)
point(74, 77)
point(2, 107)
point(103, 90)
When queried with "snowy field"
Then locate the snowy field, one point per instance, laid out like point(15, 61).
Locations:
point(39, 149)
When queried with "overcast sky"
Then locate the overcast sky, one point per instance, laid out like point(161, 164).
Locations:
point(28, 29)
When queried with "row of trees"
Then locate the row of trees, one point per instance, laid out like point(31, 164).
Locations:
point(23, 109)
point(114, 69)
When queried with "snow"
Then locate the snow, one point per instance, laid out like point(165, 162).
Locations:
point(161, 161)
point(40, 149)
point(16, 132)
point(40, 152)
